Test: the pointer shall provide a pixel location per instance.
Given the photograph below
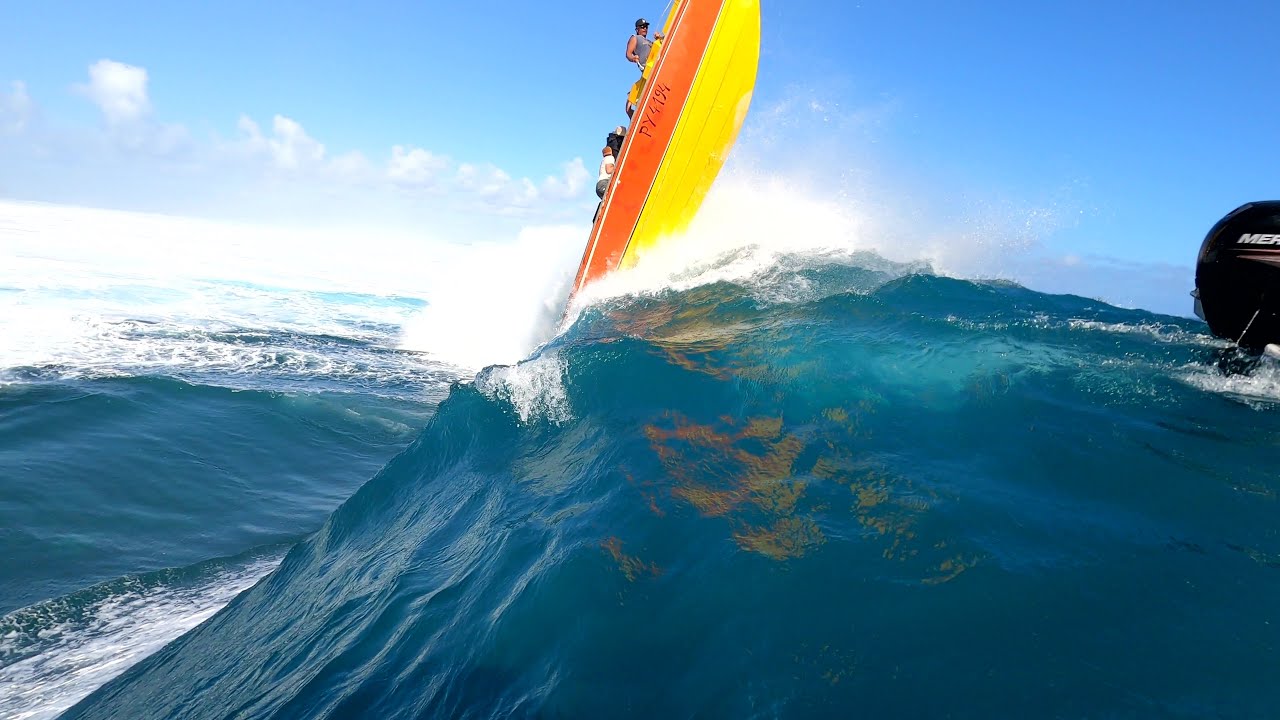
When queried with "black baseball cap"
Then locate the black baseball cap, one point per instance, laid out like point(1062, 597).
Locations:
point(642, 23)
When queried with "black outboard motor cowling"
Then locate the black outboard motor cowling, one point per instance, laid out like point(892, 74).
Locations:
point(1238, 276)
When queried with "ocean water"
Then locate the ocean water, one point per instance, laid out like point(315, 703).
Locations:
point(790, 480)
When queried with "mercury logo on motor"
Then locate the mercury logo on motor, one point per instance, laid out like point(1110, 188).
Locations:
point(1258, 239)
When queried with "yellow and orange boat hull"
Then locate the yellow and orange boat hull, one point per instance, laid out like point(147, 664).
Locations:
point(696, 93)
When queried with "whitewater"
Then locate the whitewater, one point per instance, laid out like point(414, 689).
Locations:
point(796, 464)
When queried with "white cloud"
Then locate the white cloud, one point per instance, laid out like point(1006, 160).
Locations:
point(484, 180)
point(496, 189)
point(15, 108)
point(131, 141)
point(414, 166)
point(292, 146)
point(571, 184)
point(251, 132)
point(526, 194)
point(507, 195)
point(289, 147)
point(163, 140)
point(119, 91)
point(351, 167)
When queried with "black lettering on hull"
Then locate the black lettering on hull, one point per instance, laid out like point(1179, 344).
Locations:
point(653, 111)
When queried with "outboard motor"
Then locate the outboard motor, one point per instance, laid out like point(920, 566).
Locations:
point(1238, 276)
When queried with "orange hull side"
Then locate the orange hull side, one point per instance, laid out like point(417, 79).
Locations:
point(648, 138)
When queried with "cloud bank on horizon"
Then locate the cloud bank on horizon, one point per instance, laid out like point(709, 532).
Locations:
point(130, 141)
point(278, 172)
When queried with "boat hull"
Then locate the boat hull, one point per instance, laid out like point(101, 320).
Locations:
point(694, 102)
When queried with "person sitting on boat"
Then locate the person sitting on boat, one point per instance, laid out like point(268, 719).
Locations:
point(615, 140)
point(639, 44)
point(606, 174)
point(606, 171)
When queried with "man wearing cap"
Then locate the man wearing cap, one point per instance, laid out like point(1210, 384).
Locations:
point(639, 45)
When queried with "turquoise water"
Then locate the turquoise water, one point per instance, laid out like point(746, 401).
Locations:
point(160, 453)
point(111, 476)
point(839, 488)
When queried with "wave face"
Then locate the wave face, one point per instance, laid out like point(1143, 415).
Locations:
point(176, 412)
point(845, 484)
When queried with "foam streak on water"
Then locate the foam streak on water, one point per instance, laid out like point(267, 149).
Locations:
point(54, 653)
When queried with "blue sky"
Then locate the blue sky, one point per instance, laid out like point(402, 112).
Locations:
point(1115, 134)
